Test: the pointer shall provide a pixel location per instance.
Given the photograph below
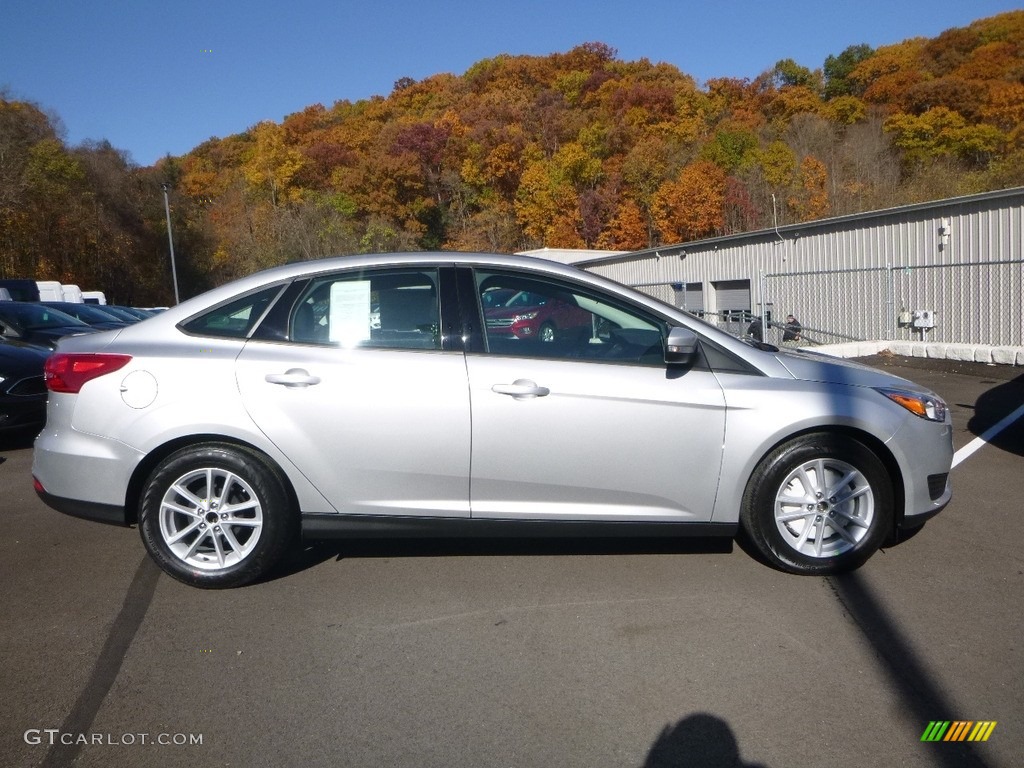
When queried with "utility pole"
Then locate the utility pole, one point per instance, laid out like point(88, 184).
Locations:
point(170, 239)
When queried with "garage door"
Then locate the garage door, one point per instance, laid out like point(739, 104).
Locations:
point(732, 300)
point(690, 297)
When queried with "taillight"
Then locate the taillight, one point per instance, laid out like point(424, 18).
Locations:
point(67, 372)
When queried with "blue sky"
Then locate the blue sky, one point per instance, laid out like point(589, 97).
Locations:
point(157, 78)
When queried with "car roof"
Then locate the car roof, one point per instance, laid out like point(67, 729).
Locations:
point(314, 267)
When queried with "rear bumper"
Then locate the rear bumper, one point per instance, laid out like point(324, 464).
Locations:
point(80, 470)
point(87, 510)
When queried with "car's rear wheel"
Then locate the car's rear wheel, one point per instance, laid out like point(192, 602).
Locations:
point(818, 504)
point(216, 516)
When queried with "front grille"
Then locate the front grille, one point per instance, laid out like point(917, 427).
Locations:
point(937, 485)
point(28, 387)
point(500, 322)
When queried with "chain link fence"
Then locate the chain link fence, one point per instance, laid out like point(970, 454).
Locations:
point(974, 303)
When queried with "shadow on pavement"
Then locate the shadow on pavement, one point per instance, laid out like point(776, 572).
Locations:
point(313, 553)
point(921, 697)
point(697, 741)
point(107, 667)
point(995, 405)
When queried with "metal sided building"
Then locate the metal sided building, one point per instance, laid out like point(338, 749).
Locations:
point(947, 271)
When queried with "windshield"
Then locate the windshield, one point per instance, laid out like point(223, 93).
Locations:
point(88, 313)
point(29, 317)
point(128, 313)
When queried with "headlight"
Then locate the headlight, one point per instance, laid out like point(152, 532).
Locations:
point(524, 316)
point(926, 406)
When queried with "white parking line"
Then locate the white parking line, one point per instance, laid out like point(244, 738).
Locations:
point(987, 435)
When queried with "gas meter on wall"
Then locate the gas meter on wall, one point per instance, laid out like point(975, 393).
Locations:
point(924, 318)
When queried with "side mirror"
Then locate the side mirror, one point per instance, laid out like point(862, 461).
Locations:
point(680, 346)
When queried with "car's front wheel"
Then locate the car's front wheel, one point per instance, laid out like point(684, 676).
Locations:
point(819, 504)
point(216, 515)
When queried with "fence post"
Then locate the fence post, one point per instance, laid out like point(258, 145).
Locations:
point(763, 304)
point(890, 304)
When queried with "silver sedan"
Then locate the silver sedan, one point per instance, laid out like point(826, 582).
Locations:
point(377, 396)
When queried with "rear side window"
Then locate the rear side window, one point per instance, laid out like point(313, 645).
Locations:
point(235, 319)
point(390, 308)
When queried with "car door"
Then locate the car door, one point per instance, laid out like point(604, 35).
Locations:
point(362, 397)
point(592, 425)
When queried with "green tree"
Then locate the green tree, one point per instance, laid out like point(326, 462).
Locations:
point(732, 150)
point(837, 71)
point(788, 73)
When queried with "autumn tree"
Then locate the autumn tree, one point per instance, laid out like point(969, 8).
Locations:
point(810, 199)
point(272, 162)
point(885, 76)
point(692, 205)
point(628, 230)
point(942, 132)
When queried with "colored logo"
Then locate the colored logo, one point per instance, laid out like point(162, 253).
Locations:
point(958, 730)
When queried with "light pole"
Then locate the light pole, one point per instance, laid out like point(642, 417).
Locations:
point(170, 239)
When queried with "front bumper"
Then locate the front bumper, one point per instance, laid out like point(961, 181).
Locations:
point(924, 451)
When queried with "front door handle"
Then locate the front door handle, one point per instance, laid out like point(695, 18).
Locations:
point(521, 389)
point(293, 377)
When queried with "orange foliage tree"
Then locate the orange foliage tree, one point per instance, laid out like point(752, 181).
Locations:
point(692, 205)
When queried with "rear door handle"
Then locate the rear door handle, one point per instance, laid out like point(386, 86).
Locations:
point(521, 389)
point(293, 377)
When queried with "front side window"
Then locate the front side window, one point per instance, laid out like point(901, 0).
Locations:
point(394, 309)
point(524, 315)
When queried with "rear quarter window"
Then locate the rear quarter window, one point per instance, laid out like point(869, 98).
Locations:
point(236, 318)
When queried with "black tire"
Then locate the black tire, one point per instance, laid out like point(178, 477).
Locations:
point(226, 538)
point(817, 505)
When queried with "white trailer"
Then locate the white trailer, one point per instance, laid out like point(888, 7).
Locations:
point(50, 290)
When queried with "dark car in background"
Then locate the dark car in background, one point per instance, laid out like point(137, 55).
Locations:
point(39, 324)
point(128, 314)
point(94, 315)
point(22, 387)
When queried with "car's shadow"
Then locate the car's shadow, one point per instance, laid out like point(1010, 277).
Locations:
point(313, 553)
point(992, 407)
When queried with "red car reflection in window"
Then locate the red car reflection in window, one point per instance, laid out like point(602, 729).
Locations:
point(528, 315)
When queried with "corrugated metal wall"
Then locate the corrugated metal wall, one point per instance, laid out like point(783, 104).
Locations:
point(849, 278)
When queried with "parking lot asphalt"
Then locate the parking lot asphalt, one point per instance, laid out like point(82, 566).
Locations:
point(468, 653)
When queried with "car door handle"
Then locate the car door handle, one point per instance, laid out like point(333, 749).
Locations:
point(293, 377)
point(521, 389)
